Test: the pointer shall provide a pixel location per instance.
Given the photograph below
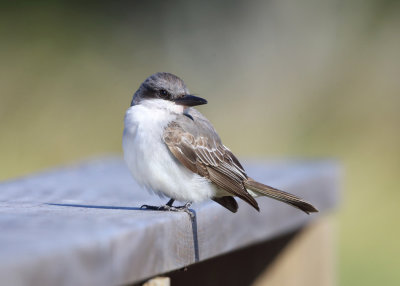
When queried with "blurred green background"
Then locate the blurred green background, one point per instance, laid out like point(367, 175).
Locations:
point(311, 78)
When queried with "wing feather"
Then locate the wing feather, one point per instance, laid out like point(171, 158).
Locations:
point(208, 158)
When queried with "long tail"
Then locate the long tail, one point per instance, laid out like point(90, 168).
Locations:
point(279, 195)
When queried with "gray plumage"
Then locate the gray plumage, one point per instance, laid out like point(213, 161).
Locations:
point(194, 143)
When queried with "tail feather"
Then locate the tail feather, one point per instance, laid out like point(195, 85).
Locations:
point(280, 196)
point(227, 202)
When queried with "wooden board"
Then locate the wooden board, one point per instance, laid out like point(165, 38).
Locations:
point(82, 225)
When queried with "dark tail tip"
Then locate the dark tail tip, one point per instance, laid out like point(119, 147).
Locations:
point(306, 207)
point(280, 196)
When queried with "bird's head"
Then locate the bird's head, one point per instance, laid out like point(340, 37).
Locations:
point(166, 86)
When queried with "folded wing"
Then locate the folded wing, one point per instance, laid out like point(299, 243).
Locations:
point(205, 155)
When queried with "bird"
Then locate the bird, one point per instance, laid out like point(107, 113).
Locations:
point(172, 150)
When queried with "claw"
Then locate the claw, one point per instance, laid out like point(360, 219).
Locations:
point(190, 213)
point(184, 208)
point(147, 207)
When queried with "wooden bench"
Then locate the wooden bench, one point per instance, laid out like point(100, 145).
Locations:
point(82, 225)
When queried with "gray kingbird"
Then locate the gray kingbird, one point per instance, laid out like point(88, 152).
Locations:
point(174, 151)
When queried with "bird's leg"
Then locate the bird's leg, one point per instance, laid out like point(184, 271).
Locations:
point(168, 207)
point(170, 202)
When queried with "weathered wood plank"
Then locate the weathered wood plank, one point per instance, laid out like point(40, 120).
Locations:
point(82, 225)
point(309, 259)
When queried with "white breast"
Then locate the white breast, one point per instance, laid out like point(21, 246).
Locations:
point(149, 159)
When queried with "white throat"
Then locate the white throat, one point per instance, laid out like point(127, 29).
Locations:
point(150, 117)
point(148, 158)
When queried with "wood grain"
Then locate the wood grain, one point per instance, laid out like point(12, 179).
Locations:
point(82, 225)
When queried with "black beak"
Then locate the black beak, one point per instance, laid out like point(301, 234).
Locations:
point(190, 100)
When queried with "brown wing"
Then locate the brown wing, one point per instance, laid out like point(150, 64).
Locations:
point(207, 157)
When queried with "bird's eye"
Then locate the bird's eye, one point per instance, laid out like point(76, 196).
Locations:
point(164, 93)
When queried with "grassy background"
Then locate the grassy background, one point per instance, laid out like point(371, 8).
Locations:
point(312, 79)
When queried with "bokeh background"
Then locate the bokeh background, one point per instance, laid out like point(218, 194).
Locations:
point(311, 79)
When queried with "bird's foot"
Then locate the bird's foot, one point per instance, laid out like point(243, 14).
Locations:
point(169, 207)
point(152, 208)
point(184, 208)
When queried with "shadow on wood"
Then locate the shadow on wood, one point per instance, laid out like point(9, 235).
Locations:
point(81, 225)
